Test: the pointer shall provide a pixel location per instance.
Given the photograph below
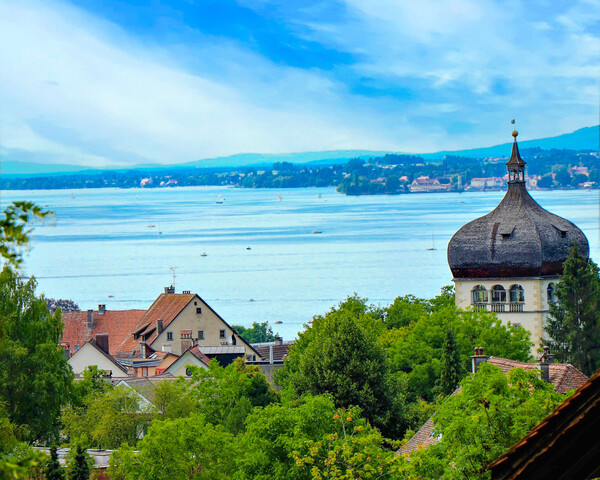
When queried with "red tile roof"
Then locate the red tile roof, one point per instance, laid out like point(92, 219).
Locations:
point(117, 324)
point(166, 307)
point(563, 376)
point(195, 350)
point(279, 351)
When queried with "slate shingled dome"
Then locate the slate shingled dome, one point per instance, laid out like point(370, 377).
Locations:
point(517, 239)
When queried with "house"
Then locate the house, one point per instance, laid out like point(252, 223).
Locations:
point(95, 353)
point(273, 354)
point(564, 445)
point(426, 184)
point(154, 364)
point(81, 327)
point(510, 260)
point(564, 377)
point(175, 322)
point(193, 356)
point(145, 388)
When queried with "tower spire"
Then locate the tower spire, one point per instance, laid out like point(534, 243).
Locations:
point(515, 165)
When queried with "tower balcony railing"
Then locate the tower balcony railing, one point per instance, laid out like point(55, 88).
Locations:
point(499, 307)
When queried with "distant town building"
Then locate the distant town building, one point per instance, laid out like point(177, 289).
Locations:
point(426, 184)
point(509, 260)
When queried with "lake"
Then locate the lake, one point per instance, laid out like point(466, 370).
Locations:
point(263, 261)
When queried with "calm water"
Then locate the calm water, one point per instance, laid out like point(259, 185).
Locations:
point(100, 247)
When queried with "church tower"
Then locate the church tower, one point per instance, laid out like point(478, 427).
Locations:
point(509, 260)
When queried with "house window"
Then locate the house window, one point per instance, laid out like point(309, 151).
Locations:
point(480, 294)
point(552, 293)
point(169, 336)
point(188, 372)
point(498, 294)
point(199, 310)
point(517, 294)
point(144, 371)
point(221, 333)
point(76, 348)
point(195, 303)
point(200, 334)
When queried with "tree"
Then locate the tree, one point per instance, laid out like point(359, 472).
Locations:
point(79, 469)
point(15, 229)
point(475, 426)
point(340, 355)
point(452, 368)
point(190, 448)
point(53, 469)
point(35, 376)
point(545, 182)
point(64, 305)
point(574, 322)
point(257, 333)
point(107, 420)
point(228, 394)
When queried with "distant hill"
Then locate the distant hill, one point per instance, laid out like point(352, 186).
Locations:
point(587, 138)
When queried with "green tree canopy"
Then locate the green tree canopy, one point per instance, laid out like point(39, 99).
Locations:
point(35, 377)
point(15, 228)
point(574, 322)
point(257, 333)
point(475, 426)
point(228, 394)
point(340, 355)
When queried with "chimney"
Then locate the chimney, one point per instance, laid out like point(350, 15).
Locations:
point(90, 320)
point(102, 342)
point(478, 359)
point(545, 361)
point(159, 326)
point(170, 289)
point(271, 354)
point(278, 340)
point(142, 350)
point(101, 309)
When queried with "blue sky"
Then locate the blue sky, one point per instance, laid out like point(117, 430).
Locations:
point(114, 82)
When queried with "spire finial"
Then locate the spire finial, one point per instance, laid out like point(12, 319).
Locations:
point(514, 132)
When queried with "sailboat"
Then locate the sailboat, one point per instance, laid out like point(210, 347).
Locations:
point(203, 254)
point(432, 244)
point(279, 198)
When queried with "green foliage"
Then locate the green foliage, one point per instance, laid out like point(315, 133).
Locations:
point(491, 413)
point(23, 462)
point(228, 393)
point(15, 229)
point(340, 355)
point(574, 323)
point(190, 448)
point(452, 368)
point(107, 420)
point(35, 377)
point(53, 470)
point(79, 467)
point(418, 348)
point(274, 432)
point(174, 400)
point(352, 451)
point(93, 384)
point(257, 333)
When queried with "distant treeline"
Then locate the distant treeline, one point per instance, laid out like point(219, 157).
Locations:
point(390, 174)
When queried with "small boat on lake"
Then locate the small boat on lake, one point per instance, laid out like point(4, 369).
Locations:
point(316, 232)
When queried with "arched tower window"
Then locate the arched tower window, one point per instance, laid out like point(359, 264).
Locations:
point(517, 294)
point(498, 294)
point(552, 293)
point(479, 294)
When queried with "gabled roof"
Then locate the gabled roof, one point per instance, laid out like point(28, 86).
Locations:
point(118, 324)
point(109, 357)
point(564, 445)
point(166, 308)
point(279, 351)
point(563, 376)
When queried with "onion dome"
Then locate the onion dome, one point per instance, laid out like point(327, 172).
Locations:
point(517, 239)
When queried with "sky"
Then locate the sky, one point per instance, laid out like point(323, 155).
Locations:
point(116, 83)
